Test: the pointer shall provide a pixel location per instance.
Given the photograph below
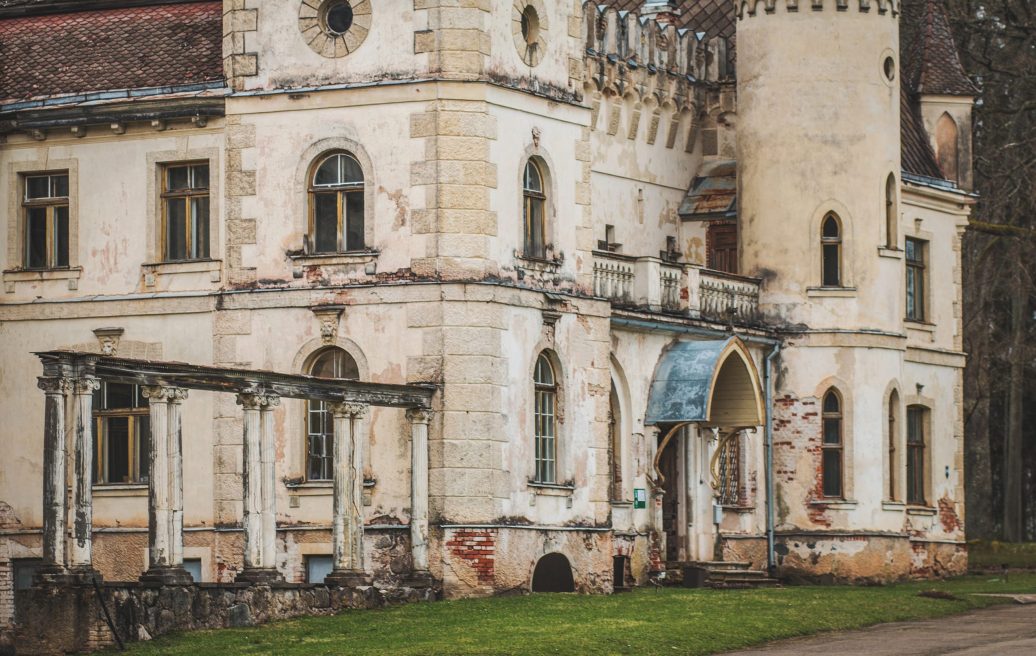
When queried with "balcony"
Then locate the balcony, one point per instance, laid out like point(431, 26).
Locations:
point(687, 289)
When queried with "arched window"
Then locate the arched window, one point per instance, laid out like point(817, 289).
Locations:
point(615, 444)
point(832, 446)
point(545, 420)
point(535, 243)
point(891, 213)
point(917, 420)
point(831, 251)
point(893, 437)
point(336, 205)
point(946, 150)
point(331, 362)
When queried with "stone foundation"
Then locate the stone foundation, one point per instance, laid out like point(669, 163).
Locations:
point(66, 619)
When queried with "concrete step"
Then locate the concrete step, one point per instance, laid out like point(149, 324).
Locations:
point(733, 583)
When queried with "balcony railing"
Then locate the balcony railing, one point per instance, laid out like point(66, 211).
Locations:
point(686, 289)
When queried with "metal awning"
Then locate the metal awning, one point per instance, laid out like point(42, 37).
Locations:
point(713, 193)
point(682, 385)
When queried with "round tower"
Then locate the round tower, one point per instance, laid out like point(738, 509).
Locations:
point(818, 135)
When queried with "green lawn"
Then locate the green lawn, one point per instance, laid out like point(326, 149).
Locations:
point(668, 621)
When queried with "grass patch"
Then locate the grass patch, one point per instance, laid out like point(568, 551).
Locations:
point(644, 622)
point(993, 554)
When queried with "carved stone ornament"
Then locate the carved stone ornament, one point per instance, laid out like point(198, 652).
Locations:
point(355, 410)
point(86, 385)
point(257, 400)
point(54, 384)
point(328, 316)
point(418, 415)
point(108, 338)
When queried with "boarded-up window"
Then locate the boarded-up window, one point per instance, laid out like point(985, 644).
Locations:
point(946, 147)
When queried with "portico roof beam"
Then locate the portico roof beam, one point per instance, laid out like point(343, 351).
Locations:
point(233, 380)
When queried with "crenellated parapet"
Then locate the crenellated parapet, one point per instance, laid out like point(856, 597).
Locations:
point(753, 7)
point(627, 49)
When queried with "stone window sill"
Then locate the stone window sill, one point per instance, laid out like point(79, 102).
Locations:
point(120, 490)
point(318, 259)
point(12, 276)
point(151, 269)
point(920, 326)
point(321, 488)
point(536, 264)
point(920, 510)
point(897, 506)
point(552, 489)
point(737, 508)
point(831, 292)
point(846, 504)
point(893, 253)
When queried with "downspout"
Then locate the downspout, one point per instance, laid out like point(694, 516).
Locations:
point(771, 558)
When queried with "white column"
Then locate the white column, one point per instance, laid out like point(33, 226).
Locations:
point(54, 498)
point(259, 556)
point(419, 489)
point(158, 478)
point(347, 523)
point(80, 551)
point(175, 445)
point(268, 463)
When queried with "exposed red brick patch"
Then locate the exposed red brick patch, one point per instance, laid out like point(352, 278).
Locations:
point(948, 515)
point(125, 48)
point(478, 549)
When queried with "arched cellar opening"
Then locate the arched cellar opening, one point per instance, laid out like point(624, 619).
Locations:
point(553, 574)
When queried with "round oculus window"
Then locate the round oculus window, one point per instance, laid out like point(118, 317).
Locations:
point(889, 66)
point(530, 25)
point(339, 17)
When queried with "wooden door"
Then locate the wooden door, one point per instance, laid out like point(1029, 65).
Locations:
point(722, 243)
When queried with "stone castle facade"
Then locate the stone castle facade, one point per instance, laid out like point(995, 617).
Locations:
point(435, 290)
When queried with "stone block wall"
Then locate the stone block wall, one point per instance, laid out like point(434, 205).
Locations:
point(64, 619)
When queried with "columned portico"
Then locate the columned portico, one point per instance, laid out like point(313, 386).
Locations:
point(69, 380)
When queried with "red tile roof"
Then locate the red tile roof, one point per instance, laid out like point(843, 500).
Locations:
point(930, 59)
point(128, 48)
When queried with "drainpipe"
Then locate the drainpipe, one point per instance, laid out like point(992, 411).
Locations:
point(771, 558)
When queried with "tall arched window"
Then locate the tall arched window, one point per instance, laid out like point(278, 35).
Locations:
point(615, 444)
point(917, 420)
point(831, 251)
point(545, 420)
point(534, 209)
point(893, 438)
point(832, 447)
point(891, 213)
point(336, 205)
point(331, 362)
point(946, 149)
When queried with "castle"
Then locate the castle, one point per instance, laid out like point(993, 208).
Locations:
point(482, 295)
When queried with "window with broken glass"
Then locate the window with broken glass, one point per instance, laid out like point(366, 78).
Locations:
point(45, 207)
point(331, 362)
point(122, 434)
point(545, 419)
point(336, 222)
point(185, 211)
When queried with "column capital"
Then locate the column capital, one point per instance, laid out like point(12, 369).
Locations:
point(54, 384)
point(418, 415)
point(355, 410)
point(86, 385)
point(252, 399)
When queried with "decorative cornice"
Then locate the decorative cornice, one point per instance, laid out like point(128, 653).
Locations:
point(253, 399)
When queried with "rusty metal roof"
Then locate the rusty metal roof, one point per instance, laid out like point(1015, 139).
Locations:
point(713, 193)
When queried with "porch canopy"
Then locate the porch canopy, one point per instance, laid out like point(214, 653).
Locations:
point(710, 382)
point(74, 376)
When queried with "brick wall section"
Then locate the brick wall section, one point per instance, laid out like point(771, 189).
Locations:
point(478, 550)
point(797, 435)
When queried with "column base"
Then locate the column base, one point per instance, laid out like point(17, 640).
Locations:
point(420, 579)
point(52, 574)
point(259, 575)
point(167, 576)
point(344, 578)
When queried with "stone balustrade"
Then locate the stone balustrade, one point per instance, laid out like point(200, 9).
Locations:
point(687, 289)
